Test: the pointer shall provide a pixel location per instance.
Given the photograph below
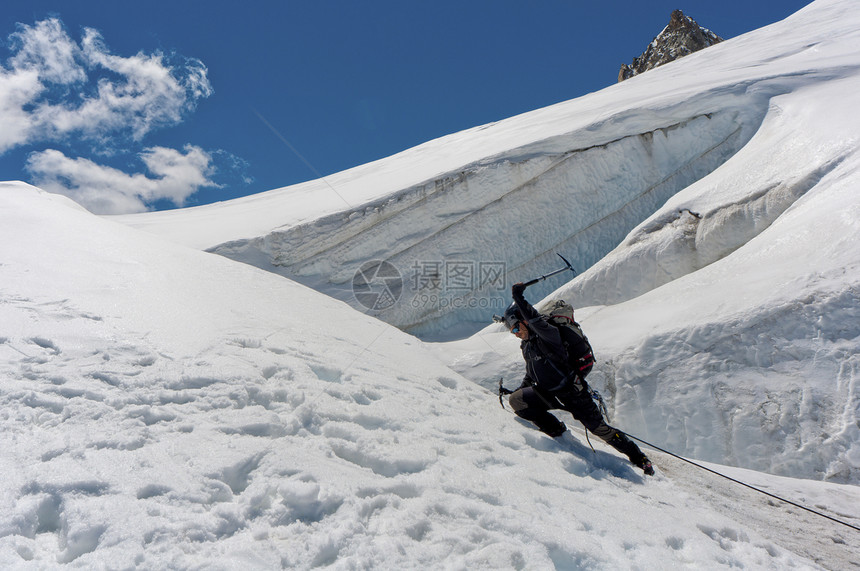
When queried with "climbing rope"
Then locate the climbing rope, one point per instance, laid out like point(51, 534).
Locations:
point(745, 484)
point(503, 391)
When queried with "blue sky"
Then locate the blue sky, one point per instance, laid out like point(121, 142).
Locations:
point(133, 105)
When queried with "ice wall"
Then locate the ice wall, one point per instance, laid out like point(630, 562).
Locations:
point(510, 212)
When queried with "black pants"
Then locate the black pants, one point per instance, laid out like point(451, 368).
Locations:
point(531, 405)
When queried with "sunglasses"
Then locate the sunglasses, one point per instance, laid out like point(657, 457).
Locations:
point(515, 329)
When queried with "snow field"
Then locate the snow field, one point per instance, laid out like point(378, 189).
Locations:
point(329, 439)
point(224, 468)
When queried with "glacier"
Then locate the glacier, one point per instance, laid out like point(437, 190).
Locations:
point(202, 388)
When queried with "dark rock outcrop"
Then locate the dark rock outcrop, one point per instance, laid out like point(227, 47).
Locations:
point(681, 37)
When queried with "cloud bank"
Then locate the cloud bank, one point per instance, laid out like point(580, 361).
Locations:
point(106, 190)
point(56, 90)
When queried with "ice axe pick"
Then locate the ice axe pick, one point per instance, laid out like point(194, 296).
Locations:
point(566, 267)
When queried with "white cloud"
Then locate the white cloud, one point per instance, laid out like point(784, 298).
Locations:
point(46, 49)
point(16, 91)
point(52, 88)
point(106, 190)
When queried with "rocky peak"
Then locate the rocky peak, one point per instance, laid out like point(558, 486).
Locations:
point(681, 37)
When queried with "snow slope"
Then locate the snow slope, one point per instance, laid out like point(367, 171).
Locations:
point(163, 407)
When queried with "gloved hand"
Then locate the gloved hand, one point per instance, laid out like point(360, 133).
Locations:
point(518, 288)
point(527, 382)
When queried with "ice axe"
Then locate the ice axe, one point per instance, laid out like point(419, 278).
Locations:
point(566, 267)
point(503, 391)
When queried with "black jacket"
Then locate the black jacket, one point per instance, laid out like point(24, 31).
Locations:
point(544, 352)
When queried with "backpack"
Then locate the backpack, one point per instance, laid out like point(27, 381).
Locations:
point(580, 357)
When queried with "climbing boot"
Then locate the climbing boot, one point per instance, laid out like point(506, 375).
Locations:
point(556, 431)
point(645, 464)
